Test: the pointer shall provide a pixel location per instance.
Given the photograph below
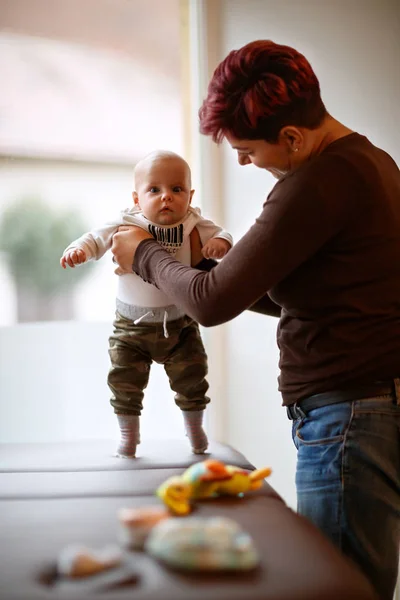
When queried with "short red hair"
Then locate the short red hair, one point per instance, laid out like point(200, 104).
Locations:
point(257, 90)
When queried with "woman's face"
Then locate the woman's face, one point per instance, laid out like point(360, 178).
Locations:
point(276, 158)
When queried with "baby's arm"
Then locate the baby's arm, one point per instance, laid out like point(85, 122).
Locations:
point(216, 248)
point(215, 241)
point(72, 257)
point(90, 246)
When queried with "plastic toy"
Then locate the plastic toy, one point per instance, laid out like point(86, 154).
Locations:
point(136, 523)
point(202, 544)
point(207, 479)
point(78, 561)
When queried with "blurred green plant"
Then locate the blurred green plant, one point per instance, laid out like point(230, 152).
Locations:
point(33, 237)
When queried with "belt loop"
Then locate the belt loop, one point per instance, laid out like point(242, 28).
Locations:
point(397, 390)
point(294, 412)
point(299, 412)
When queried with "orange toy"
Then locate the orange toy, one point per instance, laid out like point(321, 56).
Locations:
point(206, 479)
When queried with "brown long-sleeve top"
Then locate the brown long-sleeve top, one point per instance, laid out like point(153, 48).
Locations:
point(324, 254)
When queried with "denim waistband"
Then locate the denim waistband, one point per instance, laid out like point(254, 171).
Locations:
point(377, 388)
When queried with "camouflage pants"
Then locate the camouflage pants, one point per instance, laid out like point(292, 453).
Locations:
point(132, 350)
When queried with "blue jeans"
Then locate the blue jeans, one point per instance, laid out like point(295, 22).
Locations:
point(348, 481)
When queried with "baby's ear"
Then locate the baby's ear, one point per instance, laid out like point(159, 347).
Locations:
point(191, 196)
point(135, 199)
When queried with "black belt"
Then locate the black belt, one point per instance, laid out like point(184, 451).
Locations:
point(300, 410)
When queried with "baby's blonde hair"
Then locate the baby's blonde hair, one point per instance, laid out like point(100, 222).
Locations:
point(155, 156)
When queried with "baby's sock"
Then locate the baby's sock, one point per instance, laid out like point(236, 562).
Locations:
point(194, 430)
point(130, 435)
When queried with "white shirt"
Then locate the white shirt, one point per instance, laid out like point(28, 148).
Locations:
point(174, 238)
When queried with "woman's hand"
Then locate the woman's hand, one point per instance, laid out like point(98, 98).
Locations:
point(124, 245)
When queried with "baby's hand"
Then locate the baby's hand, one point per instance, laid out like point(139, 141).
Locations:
point(75, 256)
point(215, 248)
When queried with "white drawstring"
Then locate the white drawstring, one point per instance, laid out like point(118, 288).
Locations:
point(150, 312)
point(166, 334)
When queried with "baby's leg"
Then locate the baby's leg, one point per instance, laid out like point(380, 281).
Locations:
point(129, 427)
point(186, 368)
point(194, 430)
point(127, 378)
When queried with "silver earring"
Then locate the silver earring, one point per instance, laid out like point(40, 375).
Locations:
point(295, 150)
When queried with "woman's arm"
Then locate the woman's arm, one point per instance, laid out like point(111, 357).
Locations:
point(211, 297)
point(266, 306)
point(299, 217)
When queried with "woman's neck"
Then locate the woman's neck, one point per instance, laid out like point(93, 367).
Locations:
point(329, 131)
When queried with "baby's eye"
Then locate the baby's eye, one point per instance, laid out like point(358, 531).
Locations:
point(177, 189)
point(154, 189)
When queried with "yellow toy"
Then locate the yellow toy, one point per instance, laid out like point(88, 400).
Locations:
point(206, 479)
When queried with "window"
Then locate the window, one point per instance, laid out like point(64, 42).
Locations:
point(91, 88)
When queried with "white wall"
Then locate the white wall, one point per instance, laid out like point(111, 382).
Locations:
point(354, 47)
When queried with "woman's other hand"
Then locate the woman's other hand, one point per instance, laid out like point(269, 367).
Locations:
point(124, 245)
point(195, 247)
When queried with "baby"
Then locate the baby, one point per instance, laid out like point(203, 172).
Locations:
point(147, 327)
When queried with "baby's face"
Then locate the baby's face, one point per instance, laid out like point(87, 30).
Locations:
point(163, 190)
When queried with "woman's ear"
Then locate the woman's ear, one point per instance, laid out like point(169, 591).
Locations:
point(292, 137)
point(135, 199)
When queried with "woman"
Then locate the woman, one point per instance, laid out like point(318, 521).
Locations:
point(324, 256)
